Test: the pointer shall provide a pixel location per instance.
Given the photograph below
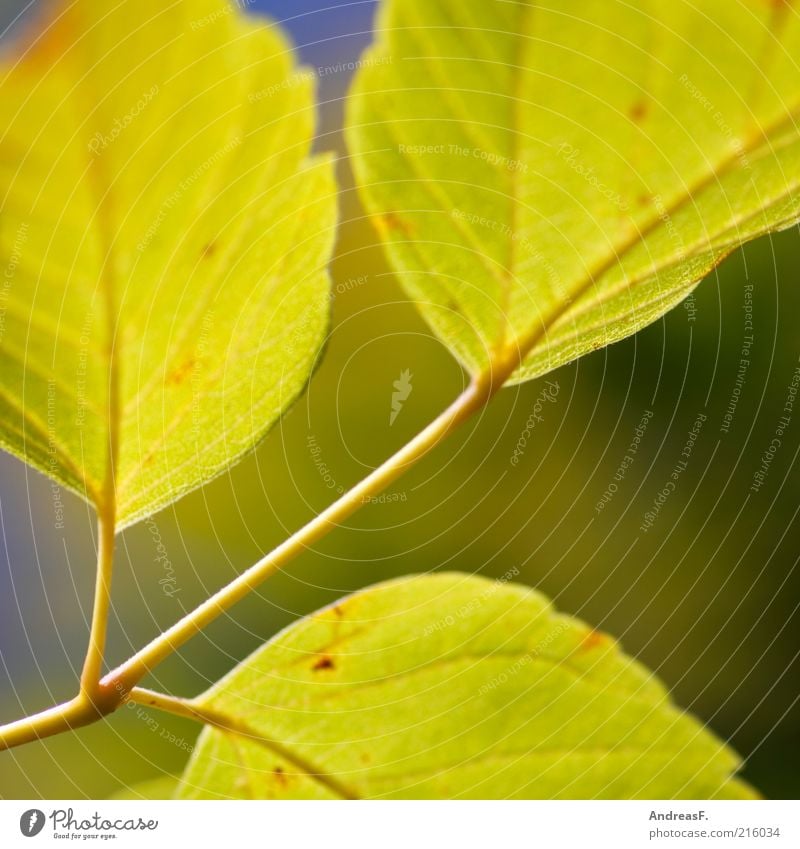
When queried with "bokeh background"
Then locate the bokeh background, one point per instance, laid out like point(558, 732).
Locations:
point(707, 597)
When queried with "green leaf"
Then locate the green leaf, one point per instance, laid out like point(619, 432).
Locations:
point(549, 178)
point(164, 235)
point(450, 686)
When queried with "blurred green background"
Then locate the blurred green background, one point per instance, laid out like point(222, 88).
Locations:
point(707, 597)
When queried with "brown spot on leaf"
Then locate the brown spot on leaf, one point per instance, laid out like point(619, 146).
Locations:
point(593, 640)
point(644, 200)
point(324, 662)
point(181, 372)
point(391, 222)
point(280, 776)
point(639, 110)
point(209, 250)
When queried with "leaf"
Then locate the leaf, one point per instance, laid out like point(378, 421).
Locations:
point(164, 235)
point(450, 686)
point(550, 178)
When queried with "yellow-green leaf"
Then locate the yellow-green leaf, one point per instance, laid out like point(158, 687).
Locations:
point(548, 178)
point(164, 235)
point(450, 686)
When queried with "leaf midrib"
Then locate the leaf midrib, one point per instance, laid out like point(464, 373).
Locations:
point(518, 71)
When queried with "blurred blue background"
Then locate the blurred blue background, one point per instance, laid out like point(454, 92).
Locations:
point(707, 598)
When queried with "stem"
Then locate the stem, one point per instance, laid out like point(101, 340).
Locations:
point(65, 717)
point(190, 709)
point(180, 707)
point(478, 393)
point(92, 701)
point(93, 665)
point(99, 697)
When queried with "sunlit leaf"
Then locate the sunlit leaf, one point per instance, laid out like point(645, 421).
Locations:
point(451, 686)
point(550, 177)
point(163, 236)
